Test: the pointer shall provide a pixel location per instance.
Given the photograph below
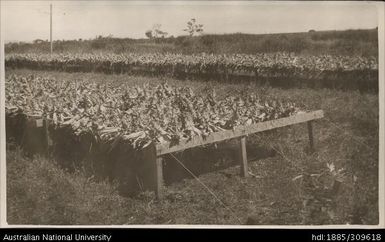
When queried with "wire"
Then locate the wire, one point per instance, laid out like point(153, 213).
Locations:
point(355, 138)
point(280, 153)
point(207, 188)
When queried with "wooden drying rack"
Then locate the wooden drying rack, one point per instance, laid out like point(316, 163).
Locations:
point(154, 154)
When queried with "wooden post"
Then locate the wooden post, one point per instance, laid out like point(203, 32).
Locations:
point(47, 138)
point(50, 26)
point(243, 157)
point(158, 177)
point(150, 170)
point(310, 131)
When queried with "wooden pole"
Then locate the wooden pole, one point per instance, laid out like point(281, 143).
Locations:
point(311, 138)
point(243, 157)
point(50, 26)
point(150, 170)
point(158, 177)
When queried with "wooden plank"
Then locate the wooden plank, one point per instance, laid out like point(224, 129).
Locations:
point(243, 157)
point(46, 135)
point(146, 169)
point(39, 123)
point(239, 131)
point(33, 116)
point(165, 148)
point(311, 138)
point(159, 178)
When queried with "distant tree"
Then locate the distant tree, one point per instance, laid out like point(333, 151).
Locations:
point(149, 34)
point(193, 28)
point(311, 31)
point(38, 41)
point(156, 32)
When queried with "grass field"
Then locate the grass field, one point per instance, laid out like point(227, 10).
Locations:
point(337, 184)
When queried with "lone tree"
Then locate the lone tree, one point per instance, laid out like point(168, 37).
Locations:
point(149, 34)
point(156, 33)
point(193, 28)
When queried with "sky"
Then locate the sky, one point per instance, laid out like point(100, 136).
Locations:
point(29, 20)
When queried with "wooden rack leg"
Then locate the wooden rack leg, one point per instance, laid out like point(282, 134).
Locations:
point(46, 136)
point(158, 177)
point(243, 157)
point(311, 139)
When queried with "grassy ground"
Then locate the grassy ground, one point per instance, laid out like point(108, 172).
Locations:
point(337, 184)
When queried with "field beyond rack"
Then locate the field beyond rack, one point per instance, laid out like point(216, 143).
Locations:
point(276, 69)
point(346, 60)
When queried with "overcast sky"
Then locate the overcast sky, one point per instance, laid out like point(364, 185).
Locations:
point(26, 21)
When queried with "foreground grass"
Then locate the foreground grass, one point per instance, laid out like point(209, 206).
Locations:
point(40, 192)
point(337, 184)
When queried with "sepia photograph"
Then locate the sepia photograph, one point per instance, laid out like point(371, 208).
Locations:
point(240, 113)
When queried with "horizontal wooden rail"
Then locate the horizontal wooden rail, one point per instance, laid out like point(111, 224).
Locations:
point(239, 131)
point(165, 148)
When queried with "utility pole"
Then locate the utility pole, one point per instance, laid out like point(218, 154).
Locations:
point(50, 26)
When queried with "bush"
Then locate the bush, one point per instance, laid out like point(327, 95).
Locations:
point(97, 45)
